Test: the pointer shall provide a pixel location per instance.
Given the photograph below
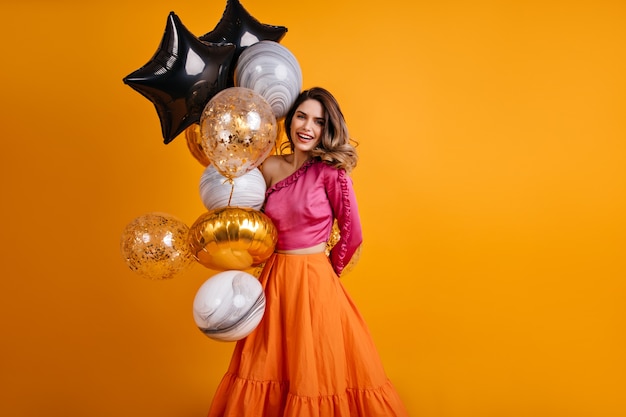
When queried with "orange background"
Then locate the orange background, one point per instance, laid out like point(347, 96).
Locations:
point(492, 187)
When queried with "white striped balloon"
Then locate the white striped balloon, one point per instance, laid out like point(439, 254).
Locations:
point(272, 71)
point(248, 190)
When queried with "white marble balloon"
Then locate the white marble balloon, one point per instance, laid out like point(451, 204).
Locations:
point(271, 70)
point(229, 305)
point(248, 190)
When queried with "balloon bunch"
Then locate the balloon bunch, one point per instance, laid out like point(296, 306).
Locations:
point(226, 90)
point(186, 71)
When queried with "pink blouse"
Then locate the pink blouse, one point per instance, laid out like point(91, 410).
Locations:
point(304, 205)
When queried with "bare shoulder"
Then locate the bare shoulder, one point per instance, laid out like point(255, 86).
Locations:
point(271, 167)
point(271, 164)
point(272, 160)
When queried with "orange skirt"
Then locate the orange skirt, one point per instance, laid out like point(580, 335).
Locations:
point(312, 354)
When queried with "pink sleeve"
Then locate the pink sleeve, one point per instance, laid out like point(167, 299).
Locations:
point(343, 201)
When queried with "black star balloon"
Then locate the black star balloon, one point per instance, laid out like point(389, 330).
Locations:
point(182, 76)
point(238, 27)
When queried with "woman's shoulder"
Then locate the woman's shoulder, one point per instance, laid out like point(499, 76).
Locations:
point(271, 161)
point(270, 167)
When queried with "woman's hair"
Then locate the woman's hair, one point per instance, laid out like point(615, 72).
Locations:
point(334, 147)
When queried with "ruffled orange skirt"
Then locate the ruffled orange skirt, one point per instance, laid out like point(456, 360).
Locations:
point(312, 354)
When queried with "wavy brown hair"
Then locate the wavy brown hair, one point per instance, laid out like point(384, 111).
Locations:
point(335, 147)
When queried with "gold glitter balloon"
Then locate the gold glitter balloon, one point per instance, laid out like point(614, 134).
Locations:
point(194, 144)
point(353, 261)
point(335, 235)
point(155, 246)
point(238, 130)
point(232, 238)
point(333, 238)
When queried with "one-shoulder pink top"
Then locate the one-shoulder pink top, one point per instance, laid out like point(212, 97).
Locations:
point(304, 205)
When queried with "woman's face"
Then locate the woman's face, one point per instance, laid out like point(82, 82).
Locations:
point(307, 125)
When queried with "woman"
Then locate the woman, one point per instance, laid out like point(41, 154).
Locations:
point(312, 354)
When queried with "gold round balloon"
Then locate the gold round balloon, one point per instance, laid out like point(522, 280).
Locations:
point(232, 238)
point(281, 145)
point(194, 144)
point(155, 246)
point(238, 130)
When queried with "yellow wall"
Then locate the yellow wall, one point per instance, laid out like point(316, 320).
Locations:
point(492, 186)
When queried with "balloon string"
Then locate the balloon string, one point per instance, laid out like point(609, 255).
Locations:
point(232, 188)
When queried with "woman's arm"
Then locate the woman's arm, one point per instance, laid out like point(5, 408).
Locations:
point(343, 202)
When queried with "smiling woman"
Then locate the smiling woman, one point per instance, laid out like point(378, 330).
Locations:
point(307, 126)
point(491, 190)
point(312, 354)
